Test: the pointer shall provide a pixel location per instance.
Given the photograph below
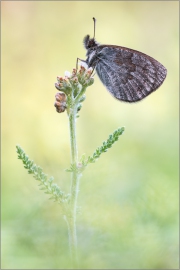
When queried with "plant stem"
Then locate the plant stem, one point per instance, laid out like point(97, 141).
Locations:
point(71, 216)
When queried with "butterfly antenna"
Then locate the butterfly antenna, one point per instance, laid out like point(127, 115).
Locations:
point(94, 26)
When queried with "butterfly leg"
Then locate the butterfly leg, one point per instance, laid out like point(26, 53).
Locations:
point(79, 59)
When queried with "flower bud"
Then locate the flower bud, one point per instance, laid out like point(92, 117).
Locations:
point(57, 85)
point(74, 71)
point(60, 97)
point(60, 79)
point(82, 70)
point(60, 109)
point(83, 65)
point(73, 86)
point(90, 81)
point(82, 98)
point(67, 74)
point(60, 102)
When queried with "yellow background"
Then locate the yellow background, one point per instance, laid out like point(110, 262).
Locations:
point(128, 215)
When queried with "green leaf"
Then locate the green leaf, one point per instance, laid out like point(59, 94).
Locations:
point(46, 184)
point(102, 149)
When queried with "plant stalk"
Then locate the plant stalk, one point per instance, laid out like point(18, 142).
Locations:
point(71, 216)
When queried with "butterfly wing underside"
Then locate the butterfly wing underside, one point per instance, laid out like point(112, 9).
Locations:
point(128, 75)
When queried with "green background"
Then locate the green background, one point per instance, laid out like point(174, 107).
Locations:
point(128, 215)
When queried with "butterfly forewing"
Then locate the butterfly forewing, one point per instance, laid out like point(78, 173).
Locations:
point(128, 75)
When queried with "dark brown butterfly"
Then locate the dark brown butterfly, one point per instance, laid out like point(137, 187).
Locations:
point(128, 75)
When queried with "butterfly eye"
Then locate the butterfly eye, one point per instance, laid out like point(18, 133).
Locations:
point(86, 42)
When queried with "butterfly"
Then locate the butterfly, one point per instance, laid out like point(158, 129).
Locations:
point(129, 75)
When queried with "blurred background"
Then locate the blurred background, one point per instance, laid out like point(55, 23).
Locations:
point(128, 199)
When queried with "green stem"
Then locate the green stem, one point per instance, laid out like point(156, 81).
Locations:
point(71, 217)
point(72, 127)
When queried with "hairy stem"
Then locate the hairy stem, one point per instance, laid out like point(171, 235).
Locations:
point(71, 216)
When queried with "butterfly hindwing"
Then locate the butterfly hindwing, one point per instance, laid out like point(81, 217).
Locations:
point(128, 75)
